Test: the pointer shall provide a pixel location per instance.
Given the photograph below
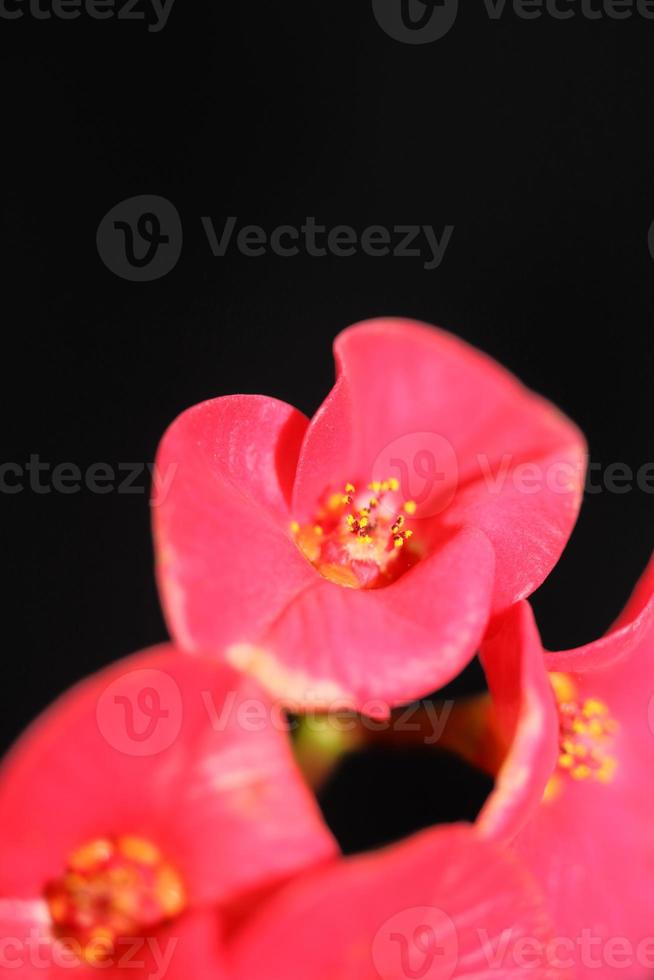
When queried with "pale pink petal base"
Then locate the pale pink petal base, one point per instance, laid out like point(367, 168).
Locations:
point(189, 947)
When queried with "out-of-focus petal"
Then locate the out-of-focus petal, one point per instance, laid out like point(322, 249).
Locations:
point(177, 750)
point(526, 719)
point(190, 946)
point(443, 904)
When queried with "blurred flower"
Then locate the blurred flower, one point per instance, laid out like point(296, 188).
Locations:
point(442, 904)
point(365, 550)
point(135, 810)
point(582, 738)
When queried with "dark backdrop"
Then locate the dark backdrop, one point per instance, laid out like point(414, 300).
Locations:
point(531, 138)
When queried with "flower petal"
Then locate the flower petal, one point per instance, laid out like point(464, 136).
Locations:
point(443, 904)
point(512, 463)
point(525, 714)
point(175, 749)
point(226, 561)
point(373, 649)
point(590, 842)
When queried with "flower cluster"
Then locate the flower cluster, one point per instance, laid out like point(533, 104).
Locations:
point(362, 557)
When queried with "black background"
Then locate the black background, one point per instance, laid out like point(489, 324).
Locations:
point(532, 138)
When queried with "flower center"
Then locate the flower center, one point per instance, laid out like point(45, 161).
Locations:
point(586, 733)
point(112, 889)
point(360, 539)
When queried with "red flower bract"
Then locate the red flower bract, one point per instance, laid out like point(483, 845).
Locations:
point(140, 805)
point(590, 841)
point(441, 905)
point(359, 556)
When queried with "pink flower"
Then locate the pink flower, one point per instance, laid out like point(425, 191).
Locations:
point(357, 557)
point(442, 904)
point(138, 807)
point(575, 791)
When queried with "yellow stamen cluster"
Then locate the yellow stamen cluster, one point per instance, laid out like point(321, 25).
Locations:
point(356, 537)
point(112, 888)
point(362, 524)
point(587, 733)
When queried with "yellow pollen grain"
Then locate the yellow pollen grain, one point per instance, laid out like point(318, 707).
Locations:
point(137, 849)
point(594, 707)
point(295, 527)
point(581, 772)
point(393, 484)
point(170, 892)
point(410, 507)
point(564, 687)
point(88, 857)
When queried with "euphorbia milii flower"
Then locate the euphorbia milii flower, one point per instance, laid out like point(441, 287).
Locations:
point(590, 840)
point(442, 904)
point(140, 806)
point(358, 556)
